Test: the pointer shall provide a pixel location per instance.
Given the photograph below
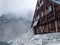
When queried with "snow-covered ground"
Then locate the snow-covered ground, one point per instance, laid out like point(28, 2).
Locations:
point(41, 39)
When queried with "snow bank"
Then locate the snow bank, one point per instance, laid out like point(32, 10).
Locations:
point(23, 39)
point(41, 39)
point(52, 38)
point(55, 44)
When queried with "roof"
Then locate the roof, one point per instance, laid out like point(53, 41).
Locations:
point(55, 1)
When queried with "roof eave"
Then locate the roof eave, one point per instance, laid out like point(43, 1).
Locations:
point(56, 2)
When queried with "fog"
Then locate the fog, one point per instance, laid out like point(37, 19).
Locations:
point(17, 7)
point(15, 17)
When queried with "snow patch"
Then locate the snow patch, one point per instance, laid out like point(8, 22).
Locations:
point(41, 39)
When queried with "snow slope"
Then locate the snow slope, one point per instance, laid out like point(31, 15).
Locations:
point(42, 39)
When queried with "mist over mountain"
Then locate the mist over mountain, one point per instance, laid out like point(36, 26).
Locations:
point(15, 18)
point(12, 27)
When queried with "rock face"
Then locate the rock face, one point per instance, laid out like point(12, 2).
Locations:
point(23, 39)
point(11, 27)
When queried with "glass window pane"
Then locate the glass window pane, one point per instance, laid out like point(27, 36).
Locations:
point(49, 9)
point(42, 14)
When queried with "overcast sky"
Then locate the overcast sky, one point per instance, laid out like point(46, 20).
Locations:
point(17, 6)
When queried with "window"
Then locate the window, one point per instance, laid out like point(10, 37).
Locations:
point(50, 25)
point(49, 9)
point(59, 23)
point(53, 24)
point(42, 14)
point(41, 2)
point(37, 7)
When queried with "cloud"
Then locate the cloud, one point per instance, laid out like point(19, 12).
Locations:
point(17, 7)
